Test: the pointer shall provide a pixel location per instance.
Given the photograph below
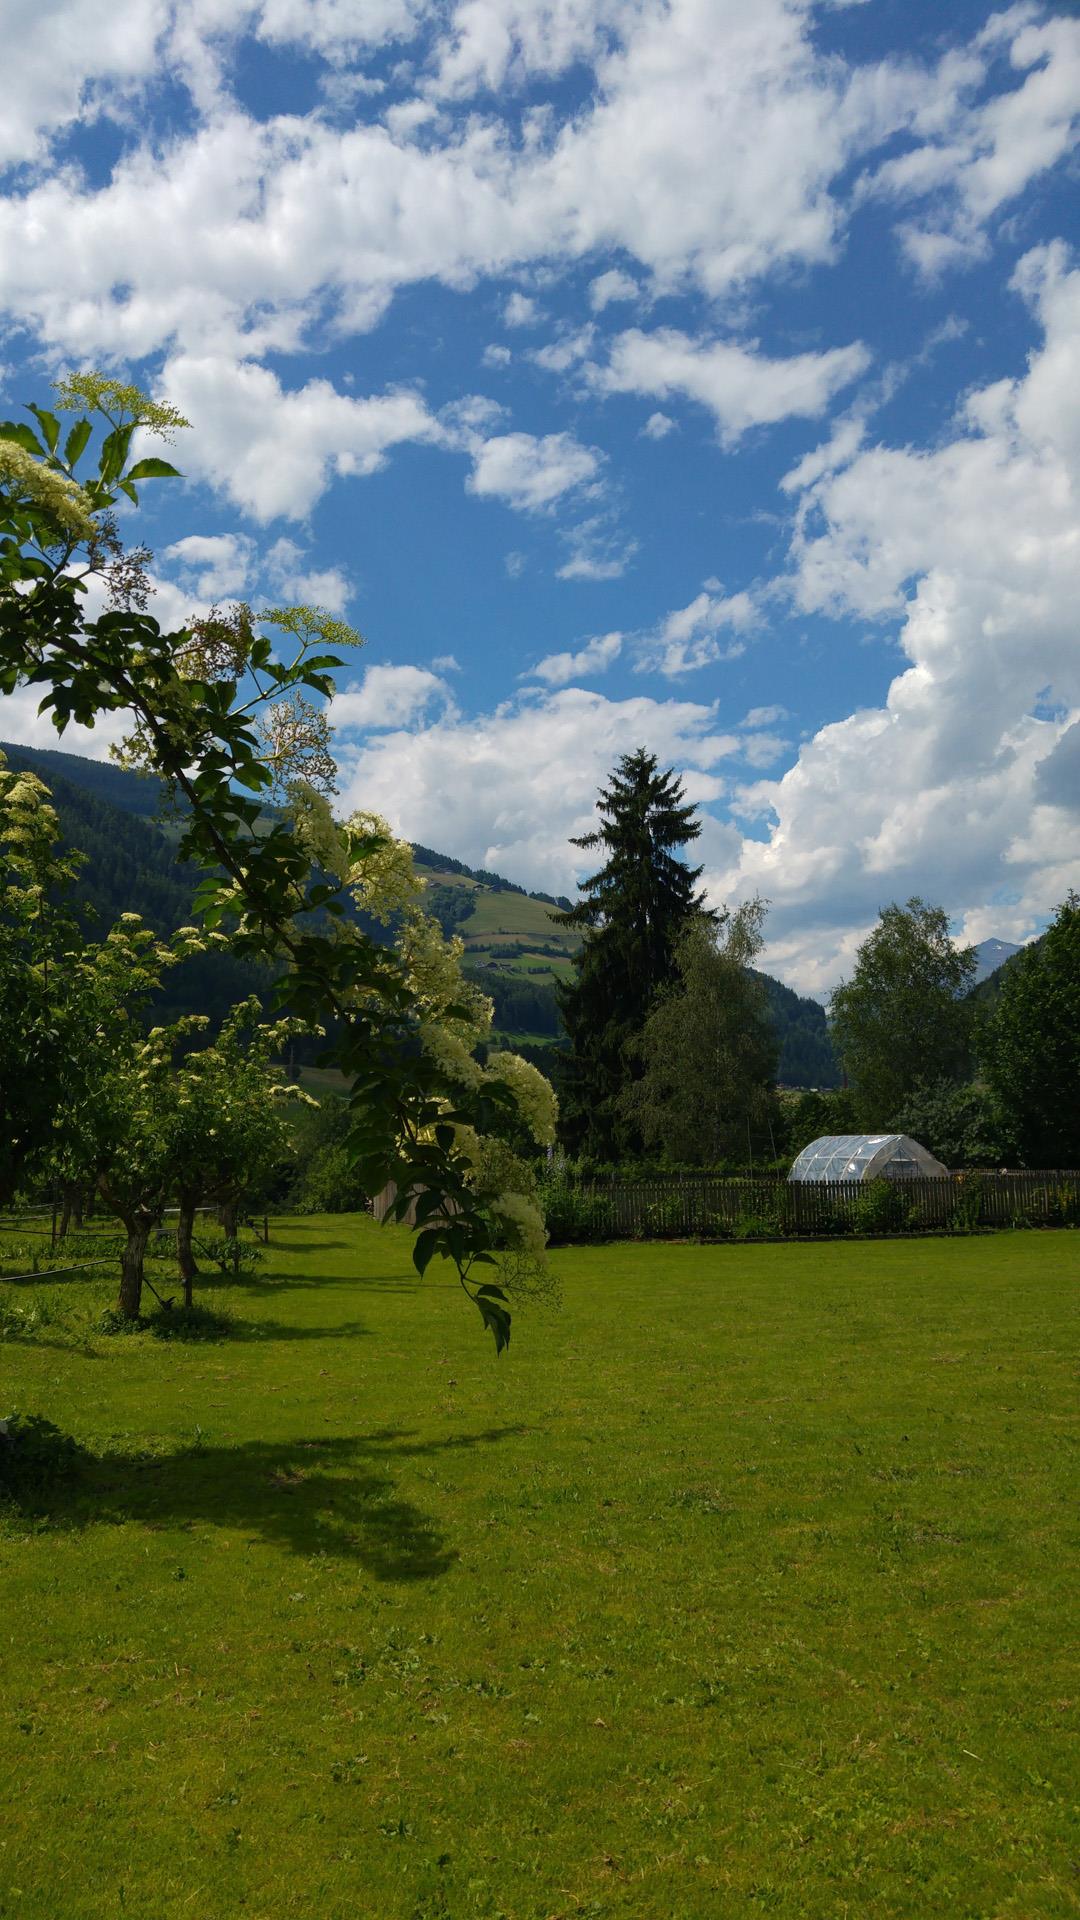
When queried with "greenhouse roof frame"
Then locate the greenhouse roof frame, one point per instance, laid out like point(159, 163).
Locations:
point(866, 1156)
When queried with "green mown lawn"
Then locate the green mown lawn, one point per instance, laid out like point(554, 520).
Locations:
point(743, 1585)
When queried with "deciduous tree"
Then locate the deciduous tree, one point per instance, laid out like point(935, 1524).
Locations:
point(1030, 1046)
point(231, 716)
point(224, 1124)
point(708, 1049)
point(901, 1020)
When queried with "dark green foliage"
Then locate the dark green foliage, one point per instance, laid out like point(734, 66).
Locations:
point(450, 906)
point(584, 1211)
point(1030, 1046)
point(113, 1321)
point(903, 1014)
point(807, 1057)
point(631, 913)
point(122, 825)
point(881, 1207)
point(228, 1253)
point(575, 1216)
point(968, 1212)
point(262, 888)
point(540, 1053)
point(129, 865)
point(325, 1179)
point(985, 993)
point(142, 795)
point(521, 1005)
point(963, 1126)
point(35, 1457)
point(708, 1049)
point(189, 1324)
point(816, 1114)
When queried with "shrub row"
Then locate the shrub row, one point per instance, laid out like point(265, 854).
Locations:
point(590, 1214)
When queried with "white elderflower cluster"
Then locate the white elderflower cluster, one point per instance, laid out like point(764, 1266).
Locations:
point(383, 879)
point(433, 964)
point(62, 499)
point(317, 831)
point(523, 1219)
point(533, 1094)
point(450, 1053)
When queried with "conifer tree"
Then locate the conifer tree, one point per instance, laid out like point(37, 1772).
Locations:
point(631, 913)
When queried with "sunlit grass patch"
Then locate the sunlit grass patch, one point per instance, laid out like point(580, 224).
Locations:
point(742, 1584)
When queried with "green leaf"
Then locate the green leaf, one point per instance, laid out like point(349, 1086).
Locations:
point(424, 1248)
point(152, 469)
point(496, 1319)
point(22, 435)
point(49, 424)
point(427, 1204)
point(75, 444)
point(490, 1292)
point(114, 451)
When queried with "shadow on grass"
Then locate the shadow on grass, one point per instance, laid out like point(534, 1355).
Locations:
point(76, 1343)
point(305, 1243)
point(264, 1285)
point(330, 1496)
point(285, 1330)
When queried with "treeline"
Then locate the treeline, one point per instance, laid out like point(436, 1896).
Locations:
point(497, 882)
point(522, 1004)
point(983, 1079)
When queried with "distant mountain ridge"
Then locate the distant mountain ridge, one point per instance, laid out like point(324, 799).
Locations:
point(120, 821)
point(990, 955)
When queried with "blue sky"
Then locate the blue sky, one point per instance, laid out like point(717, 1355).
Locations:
point(664, 372)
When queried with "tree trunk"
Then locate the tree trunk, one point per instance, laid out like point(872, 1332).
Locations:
point(185, 1255)
point(73, 1208)
point(229, 1218)
point(131, 1266)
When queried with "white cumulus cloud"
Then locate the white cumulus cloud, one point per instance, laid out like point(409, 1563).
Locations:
point(508, 790)
point(595, 657)
point(272, 451)
point(741, 387)
point(950, 788)
point(531, 472)
point(387, 697)
point(689, 637)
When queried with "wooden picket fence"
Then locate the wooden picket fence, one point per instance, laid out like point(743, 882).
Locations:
point(771, 1207)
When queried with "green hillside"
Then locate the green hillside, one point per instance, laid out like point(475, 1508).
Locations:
point(513, 947)
point(130, 866)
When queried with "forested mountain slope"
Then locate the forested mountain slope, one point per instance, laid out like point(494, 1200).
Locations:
point(512, 947)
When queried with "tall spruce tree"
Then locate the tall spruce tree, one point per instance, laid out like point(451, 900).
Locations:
point(631, 913)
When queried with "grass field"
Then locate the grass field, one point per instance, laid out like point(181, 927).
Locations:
point(741, 1586)
point(515, 914)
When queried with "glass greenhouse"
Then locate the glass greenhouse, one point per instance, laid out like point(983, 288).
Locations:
point(866, 1156)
